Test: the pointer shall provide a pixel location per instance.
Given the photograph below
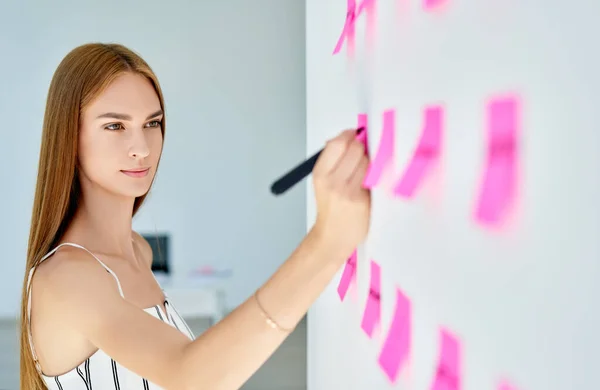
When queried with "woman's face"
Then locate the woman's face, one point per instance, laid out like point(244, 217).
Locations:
point(120, 139)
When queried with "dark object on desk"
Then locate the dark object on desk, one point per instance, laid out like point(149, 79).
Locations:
point(299, 172)
point(159, 243)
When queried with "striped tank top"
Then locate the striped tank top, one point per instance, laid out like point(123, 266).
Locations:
point(100, 371)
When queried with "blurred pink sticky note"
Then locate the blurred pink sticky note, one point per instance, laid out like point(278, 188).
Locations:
point(505, 385)
point(385, 151)
point(372, 313)
point(369, 7)
point(348, 276)
point(429, 4)
point(365, 5)
point(425, 155)
point(498, 184)
point(448, 372)
point(348, 32)
point(396, 348)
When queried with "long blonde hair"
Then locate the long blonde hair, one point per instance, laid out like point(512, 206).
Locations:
point(80, 77)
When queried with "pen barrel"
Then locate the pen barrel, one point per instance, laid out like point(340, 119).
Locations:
point(291, 178)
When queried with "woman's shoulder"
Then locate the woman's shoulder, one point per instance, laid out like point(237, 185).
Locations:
point(66, 260)
point(70, 276)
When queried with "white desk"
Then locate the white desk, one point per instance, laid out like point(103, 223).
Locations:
point(195, 302)
point(195, 298)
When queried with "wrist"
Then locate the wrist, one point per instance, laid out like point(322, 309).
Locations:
point(329, 249)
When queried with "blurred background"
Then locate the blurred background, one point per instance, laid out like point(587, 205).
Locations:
point(233, 76)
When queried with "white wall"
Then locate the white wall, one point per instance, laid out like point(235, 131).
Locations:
point(522, 301)
point(233, 77)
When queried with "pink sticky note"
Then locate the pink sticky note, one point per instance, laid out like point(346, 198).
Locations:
point(366, 5)
point(506, 386)
point(425, 155)
point(385, 151)
point(448, 373)
point(372, 314)
point(363, 121)
point(369, 7)
point(430, 4)
point(396, 348)
point(498, 186)
point(348, 32)
point(348, 276)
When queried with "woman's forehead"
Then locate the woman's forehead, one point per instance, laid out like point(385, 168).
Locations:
point(130, 94)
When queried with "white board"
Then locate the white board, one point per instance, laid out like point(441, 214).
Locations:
point(522, 297)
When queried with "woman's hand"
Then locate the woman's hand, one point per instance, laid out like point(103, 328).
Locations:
point(343, 205)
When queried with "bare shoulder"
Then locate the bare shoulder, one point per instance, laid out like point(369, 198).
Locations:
point(68, 264)
point(72, 281)
point(144, 246)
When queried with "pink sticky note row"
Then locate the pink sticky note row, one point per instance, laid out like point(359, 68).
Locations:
point(385, 151)
point(396, 348)
point(498, 186)
point(348, 276)
point(348, 32)
point(372, 314)
point(425, 155)
point(448, 373)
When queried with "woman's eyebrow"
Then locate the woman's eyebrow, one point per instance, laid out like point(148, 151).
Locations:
point(126, 117)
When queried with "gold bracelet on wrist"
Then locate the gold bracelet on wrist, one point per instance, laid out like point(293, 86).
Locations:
point(270, 321)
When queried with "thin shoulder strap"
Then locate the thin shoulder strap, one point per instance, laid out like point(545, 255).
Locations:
point(35, 359)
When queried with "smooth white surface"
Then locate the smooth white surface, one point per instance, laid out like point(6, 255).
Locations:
point(523, 302)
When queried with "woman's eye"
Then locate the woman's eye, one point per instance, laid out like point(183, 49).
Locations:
point(114, 127)
point(155, 124)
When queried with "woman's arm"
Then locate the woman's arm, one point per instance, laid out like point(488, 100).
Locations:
point(225, 356)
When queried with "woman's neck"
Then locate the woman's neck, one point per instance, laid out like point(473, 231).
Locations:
point(107, 220)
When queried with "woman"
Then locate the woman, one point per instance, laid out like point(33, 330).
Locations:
point(93, 316)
